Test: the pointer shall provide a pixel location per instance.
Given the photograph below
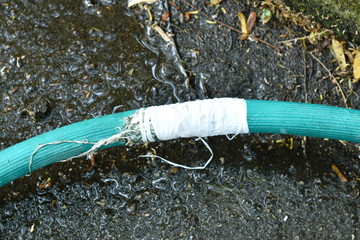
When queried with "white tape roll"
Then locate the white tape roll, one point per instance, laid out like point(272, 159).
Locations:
point(201, 118)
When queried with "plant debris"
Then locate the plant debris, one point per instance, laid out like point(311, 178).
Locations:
point(165, 16)
point(356, 65)
point(333, 79)
point(214, 21)
point(244, 29)
point(44, 185)
point(135, 2)
point(285, 14)
point(265, 15)
point(161, 32)
point(215, 2)
point(247, 26)
point(336, 170)
point(338, 49)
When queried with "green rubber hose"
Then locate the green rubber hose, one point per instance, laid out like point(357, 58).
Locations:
point(303, 119)
point(262, 116)
point(15, 160)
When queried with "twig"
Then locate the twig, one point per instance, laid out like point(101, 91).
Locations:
point(304, 139)
point(303, 38)
point(305, 78)
point(230, 27)
point(332, 78)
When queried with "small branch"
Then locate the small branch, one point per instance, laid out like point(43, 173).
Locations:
point(305, 77)
point(230, 27)
point(303, 38)
point(332, 78)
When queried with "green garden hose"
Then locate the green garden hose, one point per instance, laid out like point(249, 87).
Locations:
point(199, 118)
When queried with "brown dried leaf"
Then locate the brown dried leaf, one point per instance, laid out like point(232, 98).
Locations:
point(339, 53)
point(356, 65)
point(339, 173)
point(251, 22)
point(165, 16)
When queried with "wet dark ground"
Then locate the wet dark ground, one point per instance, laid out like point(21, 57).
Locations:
point(64, 61)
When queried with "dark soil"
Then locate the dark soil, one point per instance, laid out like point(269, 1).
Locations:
point(65, 61)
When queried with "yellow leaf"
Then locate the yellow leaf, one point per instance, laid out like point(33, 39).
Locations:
point(134, 2)
point(244, 28)
point(312, 37)
point(356, 65)
point(194, 12)
point(339, 53)
point(211, 22)
point(215, 2)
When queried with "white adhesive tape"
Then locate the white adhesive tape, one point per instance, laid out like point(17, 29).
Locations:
point(201, 118)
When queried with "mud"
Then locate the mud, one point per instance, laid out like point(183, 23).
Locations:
point(63, 61)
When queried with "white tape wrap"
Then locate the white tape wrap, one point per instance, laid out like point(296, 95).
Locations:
point(201, 118)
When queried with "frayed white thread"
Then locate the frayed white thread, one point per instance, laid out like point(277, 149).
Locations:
point(184, 166)
point(232, 137)
point(52, 143)
point(148, 133)
point(116, 108)
point(108, 141)
point(123, 135)
point(139, 118)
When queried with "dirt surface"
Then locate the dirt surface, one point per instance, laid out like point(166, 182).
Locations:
point(65, 61)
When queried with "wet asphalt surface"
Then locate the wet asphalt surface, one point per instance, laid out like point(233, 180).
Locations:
point(63, 61)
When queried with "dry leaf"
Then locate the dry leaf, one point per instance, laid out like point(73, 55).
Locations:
point(251, 22)
point(194, 12)
point(165, 16)
point(349, 56)
point(215, 2)
point(339, 53)
point(211, 22)
point(356, 65)
point(161, 32)
point(339, 173)
point(244, 28)
point(134, 2)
